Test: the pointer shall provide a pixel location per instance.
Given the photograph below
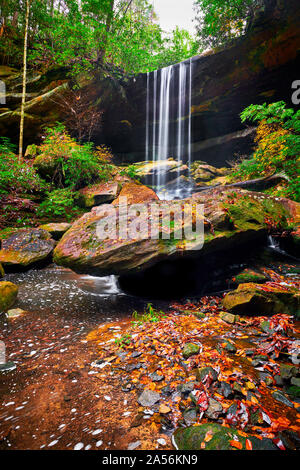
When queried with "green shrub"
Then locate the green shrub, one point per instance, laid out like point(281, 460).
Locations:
point(59, 203)
point(277, 147)
point(17, 177)
point(131, 171)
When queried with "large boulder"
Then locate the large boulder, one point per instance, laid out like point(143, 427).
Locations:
point(8, 295)
point(26, 248)
point(230, 219)
point(98, 194)
point(135, 194)
point(250, 298)
point(212, 436)
point(56, 229)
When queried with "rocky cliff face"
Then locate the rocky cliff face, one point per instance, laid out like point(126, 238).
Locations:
point(260, 67)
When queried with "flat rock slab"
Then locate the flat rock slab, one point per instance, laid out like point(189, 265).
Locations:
point(257, 299)
point(136, 194)
point(25, 248)
point(8, 295)
point(148, 398)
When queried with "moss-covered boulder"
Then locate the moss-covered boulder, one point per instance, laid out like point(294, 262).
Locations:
point(255, 299)
point(2, 273)
point(136, 194)
point(56, 230)
point(26, 248)
point(190, 349)
point(8, 295)
point(202, 172)
point(211, 436)
point(97, 194)
point(231, 219)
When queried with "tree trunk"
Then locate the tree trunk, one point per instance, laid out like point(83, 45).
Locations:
point(24, 81)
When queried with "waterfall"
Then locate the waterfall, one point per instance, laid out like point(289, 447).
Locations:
point(168, 117)
point(164, 119)
point(147, 117)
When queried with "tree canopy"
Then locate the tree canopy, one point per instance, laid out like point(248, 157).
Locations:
point(86, 33)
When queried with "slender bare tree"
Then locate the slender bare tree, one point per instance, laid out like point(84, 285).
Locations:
point(24, 80)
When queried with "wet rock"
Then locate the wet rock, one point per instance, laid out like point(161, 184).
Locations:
point(293, 391)
point(169, 169)
point(190, 349)
point(135, 194)
point(249, 275)
point(156, 377)
point(190, 416)
point(228, 317)
point(97, 194)
point(225, 390)
point(265, 327)
point(148, 398)
point(237, 388)
point(287, 371)
point(26, 248)
point(282, 398)
point(134, 445)
point(15, 313)
point(7, 366)
point(193, 438)
point(227, 346)
point(8, 295)
point(187, 388)
point(252, 299)
point(83, 251)
point(206, 371)
point(2, 273)
point(295, 381)
point(56, 230)
point(214, 409)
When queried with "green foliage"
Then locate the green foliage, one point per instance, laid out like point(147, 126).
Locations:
point(123, 341)
point(59, 203)
point(278, 146)
point(150, 315)
point(119, 32)
point(131, 171)
point(17, 177)
point(220, 21)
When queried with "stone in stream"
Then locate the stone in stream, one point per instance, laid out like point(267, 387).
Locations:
point(282, 399)
point(221, 438)
point(204, 372)
point(190, 349)
point(8, 295)
point(56, 230)
point(226, 346)
point(148, 398)
point(7, 366)
point(26, 248)
point(15, 313)
point(256, 300)
point(214, 409)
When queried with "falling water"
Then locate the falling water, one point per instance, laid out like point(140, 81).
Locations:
point(168, 117)
point(181, 113)
point(147, 117)
point(164, 119)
